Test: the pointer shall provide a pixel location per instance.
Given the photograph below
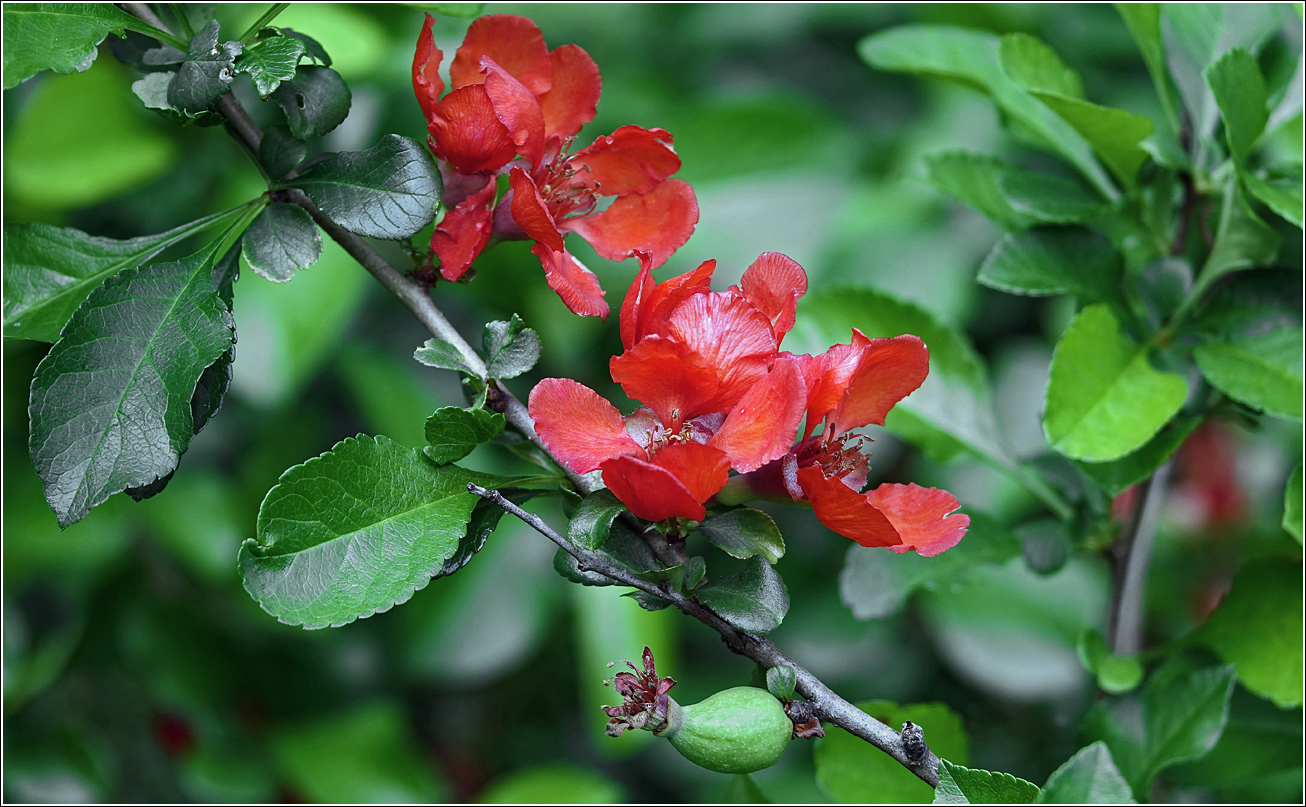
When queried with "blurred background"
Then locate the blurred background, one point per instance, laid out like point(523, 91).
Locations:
point(136, 668)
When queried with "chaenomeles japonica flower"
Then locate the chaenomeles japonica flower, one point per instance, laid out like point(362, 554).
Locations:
point(719, 394)
point(515, 108)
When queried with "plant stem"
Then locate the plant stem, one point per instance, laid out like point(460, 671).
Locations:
point(154, 26)
point(1130, 557)
point(268, 16)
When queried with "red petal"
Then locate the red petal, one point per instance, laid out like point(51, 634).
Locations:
point(733, 338)
point(887, 371)
point(467, 133)
point(427, 83)
point(921, 517)
point(651, 492)
point(579, 427)
point(462, 234)
point(576, 285)
point(666, 376)
point(658, 222)
point(773, 285)
point(531, 213)
point(637, 300)
point(572, 100)
point(517, 109)
point(846, 511)
point(762, 426)
point(703, 470)
point(513, 42)
point(828, 376)
point(646, 309)
point(630, 160)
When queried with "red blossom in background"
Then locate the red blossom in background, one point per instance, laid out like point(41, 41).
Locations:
point(516, 107)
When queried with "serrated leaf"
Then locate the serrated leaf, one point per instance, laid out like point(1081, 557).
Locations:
point(744, 533)
point(58, 36)
point(271, 61)
point(315, 101)
point(510, 348)
point(1115, 476)
point(354, 532)
point(453, 431)
point(1104, 398)
point(592, 522)
point(389, 191)
point(281, 240)
point(1239, 89)
point(1115, 135)
point(1115, 674)
point(1183, 716)
point(214, 382)
point(1089, 777)
point(1049, 198)
point(962, 785)
point(1292, 504)
point(972, 179)
point(441, 354)
point(1283, 196)
point(780, 681)
point(1029, 62)
point(280, 151)
point(1263, 372)
point(313, 48)
point(754, 599)
point(111, 402)
point(1258, 629)
point(485, 518)
point(1053, 261)
point(49, 271)
point(206, 73)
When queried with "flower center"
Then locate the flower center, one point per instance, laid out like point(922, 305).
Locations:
point(842, 454)
point(564, 197)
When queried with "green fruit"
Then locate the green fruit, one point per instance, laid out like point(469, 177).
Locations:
point(739, 730)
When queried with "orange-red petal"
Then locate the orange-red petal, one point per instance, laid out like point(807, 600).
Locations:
point(648, 304)
point(773, 285)
point(630, 160)
point(573, 97)
point(888, 370)
point(576, 285)
point(658, 222)
point(580, 427)
point(517, 109)
point(920, 515)
point(733, 338)
point(651, 492)
point(427, 83)
point(846, 511)
point(762, 426)
point(531, 213)
point(668, 377)
point(462, 234)
point(467, 133)
point(514, 42)
point(703, 470)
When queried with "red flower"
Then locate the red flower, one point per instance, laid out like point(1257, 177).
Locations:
point(513, 98)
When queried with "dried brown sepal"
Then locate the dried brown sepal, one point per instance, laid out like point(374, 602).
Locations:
point(645, 702)
point(806, 724)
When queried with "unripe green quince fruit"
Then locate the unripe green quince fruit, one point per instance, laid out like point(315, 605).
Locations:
point(739, 730)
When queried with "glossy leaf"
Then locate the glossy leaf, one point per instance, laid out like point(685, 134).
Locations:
point(754, 599)
point(280, 241)
point(280, 151)
point(271, 61)
point(1053, 261)
point(1115, 674)
point(592, 522)
point(484, 520)
point(510, 348)
point(1258, 629)
point(1104, 398)
point(315, 101)
point(206, 73)
point(312, 48)
point(973, 180)
point(744, 533)
point(623, 548)
point(49, 271)
point(1183, 716)
point(1264, 372)
point(1115, 135)
point(441, 354)
point(1049, 198)
point(1115, 476)
point(962, 785)
point(388, 191)
point(1292, 504)
point(58, 36)
point(1089, 777)
point(1283, 196)
point(354, 532)
point(1239, 90)
point(1030, 63)
point(780, 681)
point(453, 432)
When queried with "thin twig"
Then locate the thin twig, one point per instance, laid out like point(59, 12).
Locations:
point(1130, 557)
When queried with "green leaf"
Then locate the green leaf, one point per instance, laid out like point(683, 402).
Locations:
point(1258, 629)
point(455, 10)
point(623, 548)
point(111, 402)
point(1115, 674)
point(313, 48)
point(1029, 62)
point(754, 599)
point(1116, 135)
point(1239, 90)
point(207, 72)
point(1053, 261)
point(280, 151)
point(852, 771)
point(1144, 23)
point(453, 432)
point(280, 241)
point(1049, 198)
point(315, 101)
point(780, 681)
point(354, 532)
point(271, 61)
point(510, 348)
point(389, 191)
point(1089, 777)
point(58, 36)
point(49, 271)
point(973, 180)
point(485, 518)
point(1292, 504)
point(441, 354)
point(743, 790)
point(744, 533)
point(1115, 476)
point(1283, 196)
point(1183, 716)
point(1263, 372)
point(553, 784)
point(1242, 241)
point(1104, 398)
point(961, 785)
point(153, 92)
point(592, 522)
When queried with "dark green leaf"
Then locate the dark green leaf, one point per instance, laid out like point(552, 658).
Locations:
point(1283, 196)
point(1163, 285)
point(1116, 135)
point(754, 599)
point(1258, 629)
point(1104, 398)
point(1239, 90)
point(315, 101)
point(961, 785)
point(1049, 198)
point(780, 681)
point(1053, 261)
point(388, 191)
point(1183, 716)
point(744, 533)
point(623, 549)
point(1264, 372)
point(1115, 674)
point(592, 522)
point(453, 431)
point(441, 354)
point(510, 348)
point(58, 36)
point(695, 571)
point(207, 72)
point(1292, 504)
point(354, 532)
point(280, 241)
point(153, 92)
point(111, 402)
point(216, 378)
point(973, 180)
point(270, 62)
point(1242, 241)
point(1113, 477)
point(485, 517)
point(1089, 777)
point(49, 271)
point(1029, 62)
point(313, 49)
point(280, 151)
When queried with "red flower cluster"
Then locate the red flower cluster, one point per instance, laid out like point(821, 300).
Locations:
point(515, 108)
point(719, 394)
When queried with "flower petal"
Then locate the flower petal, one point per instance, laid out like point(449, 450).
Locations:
point(888, 370)
point(578, 425)
point(920, 515)
point(461, 235)
point(573, 98)
point(828, 376)
point(733, 338)
point(648, 303)
point(667, 377)
point(576, 285)
point(846, 511)
point(762, 426)
point(650, 491)
point(658, 222)
point(531, 213)
point(514, 42)
point(467, 134)
point(517, 109)
point(702, 469)
point(773, 285)
point(427, 83)
point(630, 160)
